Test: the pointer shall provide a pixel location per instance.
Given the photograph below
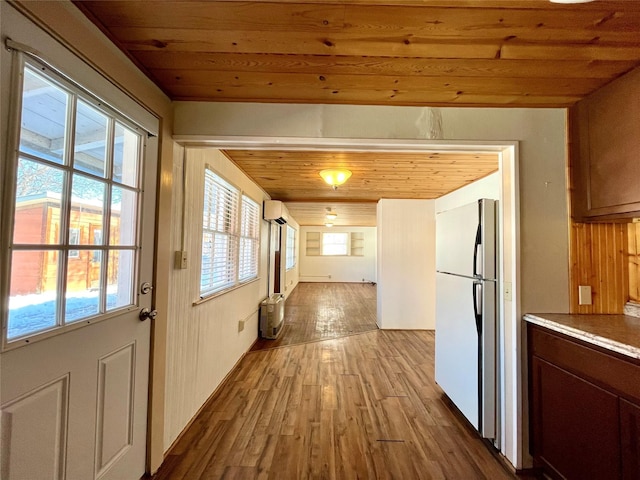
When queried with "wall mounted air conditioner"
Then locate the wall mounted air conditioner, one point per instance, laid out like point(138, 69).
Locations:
point(275, 211)
point(272, 316)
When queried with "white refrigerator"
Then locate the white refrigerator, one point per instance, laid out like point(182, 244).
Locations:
point(465, 360)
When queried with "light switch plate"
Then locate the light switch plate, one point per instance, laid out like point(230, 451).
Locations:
point(181, 261)
point(584, 295)
point(508, 296)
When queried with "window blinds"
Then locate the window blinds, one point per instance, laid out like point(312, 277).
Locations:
point(219, 234)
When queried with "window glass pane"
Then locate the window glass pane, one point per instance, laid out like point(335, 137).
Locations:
point(87, 207)
point(90, 150)
point(334, 244)
point(33, 294)
point(125, 155)
point(250, 235)
point(44, 117)
point(37, 211)
point(83, 285)
point(122, 224)
point(120, 268)
point(220, 236)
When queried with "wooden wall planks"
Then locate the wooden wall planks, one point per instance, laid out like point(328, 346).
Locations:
point(634, 261)
point(599, 258)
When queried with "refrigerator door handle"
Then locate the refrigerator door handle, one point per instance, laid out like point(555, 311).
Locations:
point(476, 247)
point(477, 306)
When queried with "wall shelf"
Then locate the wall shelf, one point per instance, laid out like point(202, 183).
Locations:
point(357, 244)
point(312, 243)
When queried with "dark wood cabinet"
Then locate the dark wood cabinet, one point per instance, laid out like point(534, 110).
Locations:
point(584, 409)
point(604, 147)
point(630, 440)
point(578, 432)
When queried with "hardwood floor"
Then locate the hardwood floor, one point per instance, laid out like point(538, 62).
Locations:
point(364, 406)
point(319, 311)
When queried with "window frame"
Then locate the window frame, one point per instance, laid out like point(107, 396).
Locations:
point(252, 237)
point(63, 247)
point(290, 253)
point(235, 237)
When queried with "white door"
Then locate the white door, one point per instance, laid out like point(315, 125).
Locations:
point(77, 247)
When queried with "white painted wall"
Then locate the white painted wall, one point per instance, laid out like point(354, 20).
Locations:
point(538, 259)
point(203, 341)
point(487, 187)
point(314, 268)
point(406, 264)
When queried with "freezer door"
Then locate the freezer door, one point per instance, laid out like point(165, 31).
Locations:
point(465, 240)
point(465, 347)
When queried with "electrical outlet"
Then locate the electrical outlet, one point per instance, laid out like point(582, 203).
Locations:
point(584, 295)
point(181, 260)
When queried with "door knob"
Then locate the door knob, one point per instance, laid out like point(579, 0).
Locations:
point(148, 313)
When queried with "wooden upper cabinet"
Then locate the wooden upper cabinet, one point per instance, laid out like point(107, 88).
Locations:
point(604, 148)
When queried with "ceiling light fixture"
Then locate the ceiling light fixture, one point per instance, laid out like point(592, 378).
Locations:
point(331, 215)
point(335, 176)
point(328, 224)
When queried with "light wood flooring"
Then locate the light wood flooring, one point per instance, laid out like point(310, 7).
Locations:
point(319, 311)
point(364, 406)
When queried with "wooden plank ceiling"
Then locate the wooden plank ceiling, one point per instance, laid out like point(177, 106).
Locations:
point(293, 177)
point(482, 53)
point(403, 52)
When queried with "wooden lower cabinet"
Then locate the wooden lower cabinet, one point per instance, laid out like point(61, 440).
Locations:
point(630, 440)
point(581, 427)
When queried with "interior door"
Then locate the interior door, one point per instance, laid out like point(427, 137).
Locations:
point(75, 353)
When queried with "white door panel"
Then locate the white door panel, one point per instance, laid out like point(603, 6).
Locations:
point(74, 368)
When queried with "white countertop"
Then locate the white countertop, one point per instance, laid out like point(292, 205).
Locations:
point(618, 333)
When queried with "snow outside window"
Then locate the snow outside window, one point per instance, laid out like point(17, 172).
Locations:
point(77, 174)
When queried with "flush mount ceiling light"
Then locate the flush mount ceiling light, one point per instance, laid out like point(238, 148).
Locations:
point(328, 224)
point(335, 176)
point(331, 215)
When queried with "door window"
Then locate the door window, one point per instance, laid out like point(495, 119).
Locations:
point(75, 237)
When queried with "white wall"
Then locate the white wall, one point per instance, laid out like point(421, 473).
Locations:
point(314, 268)
point(203, 341)
point(539, 214)
point(406, 264)
point(487, 187)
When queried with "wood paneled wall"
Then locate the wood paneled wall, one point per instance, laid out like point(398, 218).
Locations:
point(599, 258)
point(634, 261)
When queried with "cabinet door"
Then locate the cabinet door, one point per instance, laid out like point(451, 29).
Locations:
point(604, 150)
point(630, 435)
point(575, 425)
